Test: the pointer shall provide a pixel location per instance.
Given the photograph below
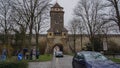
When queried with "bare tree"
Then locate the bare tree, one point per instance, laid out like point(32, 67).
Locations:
point(76, 28)
point(116, 13)
point(81, 32)
point(5, 18)
point(19, 28)
point(41, 21)
point(30, 12)
point(73, 29)
point(91, 15)
point(107, 29)
point(20, 20)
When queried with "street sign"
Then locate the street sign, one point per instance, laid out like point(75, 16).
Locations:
point(2, 57)
point(20, 56)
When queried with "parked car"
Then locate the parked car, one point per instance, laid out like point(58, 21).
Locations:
point(90, 59)
point(59, 54)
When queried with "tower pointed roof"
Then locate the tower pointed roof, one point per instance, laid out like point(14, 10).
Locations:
point(57, 5)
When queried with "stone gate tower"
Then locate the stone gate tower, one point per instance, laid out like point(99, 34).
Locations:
point(57, 35)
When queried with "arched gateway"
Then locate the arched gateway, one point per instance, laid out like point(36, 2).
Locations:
point(58, 47)
point(57, 34)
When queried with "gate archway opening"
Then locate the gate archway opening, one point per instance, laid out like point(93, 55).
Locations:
point(57, 47)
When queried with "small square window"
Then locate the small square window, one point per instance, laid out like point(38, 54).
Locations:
point(64, 34)
point(50, 34)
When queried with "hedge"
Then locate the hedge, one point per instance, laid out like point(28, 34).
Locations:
point(17, 64)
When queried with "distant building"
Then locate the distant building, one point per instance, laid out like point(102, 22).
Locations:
point(57, 37)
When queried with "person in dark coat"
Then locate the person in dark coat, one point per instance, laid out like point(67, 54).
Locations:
point(37, 54)
point(31, 54)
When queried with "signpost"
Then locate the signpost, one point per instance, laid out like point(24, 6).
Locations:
point(20, 56)
point(3, 56)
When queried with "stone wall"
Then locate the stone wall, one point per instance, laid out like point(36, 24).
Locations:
point(66, 42)
point(85, 40)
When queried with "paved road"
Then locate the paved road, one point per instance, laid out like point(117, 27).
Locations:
point(39, 65)
point(65, 62)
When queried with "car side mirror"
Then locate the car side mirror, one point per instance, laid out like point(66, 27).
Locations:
point(80, 60)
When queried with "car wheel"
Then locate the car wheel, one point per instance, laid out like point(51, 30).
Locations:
point(73, 65)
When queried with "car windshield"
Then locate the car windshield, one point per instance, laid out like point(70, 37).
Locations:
point(59, 52)
point(94, 57)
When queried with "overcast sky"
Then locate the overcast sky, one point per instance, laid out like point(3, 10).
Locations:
point(68, 6)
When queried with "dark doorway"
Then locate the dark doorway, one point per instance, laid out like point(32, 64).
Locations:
point(58, 46)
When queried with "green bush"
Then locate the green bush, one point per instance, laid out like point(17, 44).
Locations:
point(17, 64)
point(115, 60)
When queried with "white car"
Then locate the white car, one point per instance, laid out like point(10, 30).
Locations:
point(58, 54)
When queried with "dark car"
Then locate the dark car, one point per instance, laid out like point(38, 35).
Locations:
point(90, 59)
point(59, 54)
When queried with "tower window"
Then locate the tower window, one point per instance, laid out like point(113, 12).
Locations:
point(64, 34)
point(58, 9)
point(50, 34)
point(56, 22)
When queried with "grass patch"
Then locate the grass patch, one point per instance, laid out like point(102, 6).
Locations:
point(12, 59)
point(115, 60)
point(42, 58)
point(45, 57)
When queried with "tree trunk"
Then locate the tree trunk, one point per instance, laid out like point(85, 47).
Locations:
point(117, 13)
point(37, 39)
point(6, 37)
point(23, 40)
point(81, 42)
point(74, 41)
point(92, 43)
